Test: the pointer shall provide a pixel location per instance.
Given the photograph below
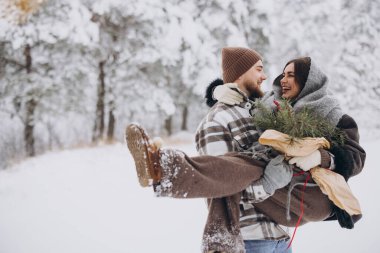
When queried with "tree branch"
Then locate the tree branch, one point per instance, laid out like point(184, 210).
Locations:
point(11, 61)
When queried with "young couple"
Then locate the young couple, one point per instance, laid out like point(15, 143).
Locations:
point(247, 184)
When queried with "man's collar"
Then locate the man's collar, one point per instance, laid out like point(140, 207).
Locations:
point(247, 103)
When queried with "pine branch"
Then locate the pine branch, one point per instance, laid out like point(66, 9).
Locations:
point(297, 125)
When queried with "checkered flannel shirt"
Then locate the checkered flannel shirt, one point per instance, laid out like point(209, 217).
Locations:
point(230, 129)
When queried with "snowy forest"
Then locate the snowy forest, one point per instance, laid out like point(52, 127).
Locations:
point(75, 73)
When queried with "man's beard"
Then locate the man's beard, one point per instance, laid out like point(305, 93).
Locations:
point(254, 90)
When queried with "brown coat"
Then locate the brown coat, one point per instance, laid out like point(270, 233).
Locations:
point(220, 176)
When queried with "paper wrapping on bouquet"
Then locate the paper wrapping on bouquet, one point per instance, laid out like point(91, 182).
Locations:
point(332, 184)
point(336, 188)
point(298, 147)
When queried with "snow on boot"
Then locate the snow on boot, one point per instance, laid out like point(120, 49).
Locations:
point(145, 154)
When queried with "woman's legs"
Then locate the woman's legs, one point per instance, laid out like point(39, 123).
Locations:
point(205, 176)
point(174, 174)
point(215, 177)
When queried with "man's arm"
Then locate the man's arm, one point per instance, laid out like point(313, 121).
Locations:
point(212, 138)
point(255, 192)
point(277, 174)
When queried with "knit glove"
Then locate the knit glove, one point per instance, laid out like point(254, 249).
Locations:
point(307, 162)
point(225, 94)
point(277, 174)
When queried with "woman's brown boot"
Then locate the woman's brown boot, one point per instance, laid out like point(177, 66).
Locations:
point(145, 154)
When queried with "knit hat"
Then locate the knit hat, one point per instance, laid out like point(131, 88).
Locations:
point(236, 61)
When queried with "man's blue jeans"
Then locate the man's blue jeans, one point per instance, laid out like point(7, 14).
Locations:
point(267, 246)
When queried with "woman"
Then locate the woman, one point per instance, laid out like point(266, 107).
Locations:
point(174, 174)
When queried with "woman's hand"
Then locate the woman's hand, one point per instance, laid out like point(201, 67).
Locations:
point(307, 162)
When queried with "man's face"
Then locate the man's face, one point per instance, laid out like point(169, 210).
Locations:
point(290, 88)
point(252, 80)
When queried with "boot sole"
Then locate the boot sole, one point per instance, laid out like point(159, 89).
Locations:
point(138, 144)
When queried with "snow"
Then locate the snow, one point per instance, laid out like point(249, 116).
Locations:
point(89, 200)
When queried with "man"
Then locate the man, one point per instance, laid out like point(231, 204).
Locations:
point(228, 128)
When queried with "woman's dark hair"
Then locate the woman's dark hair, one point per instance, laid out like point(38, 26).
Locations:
point(301, 69)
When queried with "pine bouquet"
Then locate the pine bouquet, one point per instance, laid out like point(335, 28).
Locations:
point(302, 124)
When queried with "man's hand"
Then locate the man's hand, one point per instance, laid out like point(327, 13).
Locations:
point(277, 174)
point(225, 94)
point(307, 162)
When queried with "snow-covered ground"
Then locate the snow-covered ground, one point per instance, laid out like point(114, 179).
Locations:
point(89, 200)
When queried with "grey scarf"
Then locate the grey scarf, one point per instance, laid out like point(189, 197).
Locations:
point(314, 95)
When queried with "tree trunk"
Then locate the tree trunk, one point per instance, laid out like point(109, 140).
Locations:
point(185, 114)
point(29, 127)
point(111, 116)
point(100, 111)
point(168, 125)
point(31, 105)
point(2, 59)
point(111, 125)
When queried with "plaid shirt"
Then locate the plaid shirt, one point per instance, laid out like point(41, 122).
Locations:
point(230, 128)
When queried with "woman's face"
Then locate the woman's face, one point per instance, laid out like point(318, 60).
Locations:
point(290, 88)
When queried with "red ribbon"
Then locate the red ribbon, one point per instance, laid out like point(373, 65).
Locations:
point(301, 205)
